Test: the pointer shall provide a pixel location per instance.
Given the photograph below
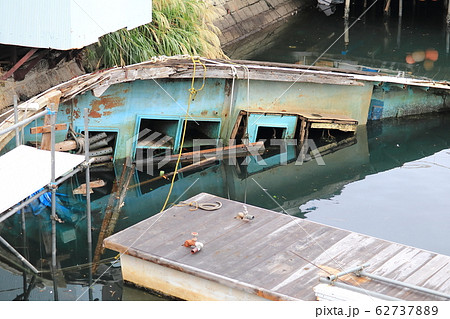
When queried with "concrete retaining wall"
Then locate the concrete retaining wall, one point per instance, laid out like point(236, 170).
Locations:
point(242, 18)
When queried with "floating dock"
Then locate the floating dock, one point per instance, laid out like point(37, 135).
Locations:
point(273, 256)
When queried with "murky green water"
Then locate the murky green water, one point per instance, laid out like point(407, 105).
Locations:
point(373, 40)
point(392, 182)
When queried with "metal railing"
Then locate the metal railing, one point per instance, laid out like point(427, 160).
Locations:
point(52, 186)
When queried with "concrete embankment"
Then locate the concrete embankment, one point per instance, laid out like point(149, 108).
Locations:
point(242, 18)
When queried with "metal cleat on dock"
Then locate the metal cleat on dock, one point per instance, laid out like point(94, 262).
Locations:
point(244, 215)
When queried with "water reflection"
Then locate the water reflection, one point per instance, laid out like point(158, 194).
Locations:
point(375, 42)
point(377, 148)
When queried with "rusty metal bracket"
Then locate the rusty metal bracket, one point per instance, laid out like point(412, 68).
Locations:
point(19, 64)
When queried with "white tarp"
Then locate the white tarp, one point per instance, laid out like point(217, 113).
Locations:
point(25, 170)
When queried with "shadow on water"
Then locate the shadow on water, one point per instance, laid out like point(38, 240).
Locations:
point(379, 147)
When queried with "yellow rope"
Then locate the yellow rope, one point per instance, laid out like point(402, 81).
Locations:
point(192, 94)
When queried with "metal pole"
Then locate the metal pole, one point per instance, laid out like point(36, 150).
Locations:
point(88, 198)
point(16, 119)
point(53, 190)
point(346, 34)
point(18, 255)
point(356, 289)
point(404, 284)
point(23, 122)
point(400, 8)
point(347, 9)
point(399, 31)
point(447, 40)
point(349, 271)
point(24, 242)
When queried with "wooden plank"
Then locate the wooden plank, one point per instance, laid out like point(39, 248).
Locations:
point(47, 128)
point(422, 275)
point(235, 255)
point(236, 125)
point(212, 226)
point(335, 126)
point(64, 146)
point(53, 104)
point(216, 152)
point(302, 131)
point(279, 266)
point(337, 258)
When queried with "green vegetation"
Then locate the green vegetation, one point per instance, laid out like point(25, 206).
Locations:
point(178, 27)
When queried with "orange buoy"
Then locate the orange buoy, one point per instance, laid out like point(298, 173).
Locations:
point(409, 59)
point(431, 54)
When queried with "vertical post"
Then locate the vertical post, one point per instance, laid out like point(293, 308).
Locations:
point(24, 243)
point(88, 198)
point(387, 8)
point(447, 41)
point(16, 119)
point(347, 9)
point(448, 14)
point(346, 34)
point(400, 8)
point(53, 190)
point(399, 31)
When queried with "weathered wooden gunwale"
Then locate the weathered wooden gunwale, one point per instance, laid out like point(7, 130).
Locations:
point(274, 256)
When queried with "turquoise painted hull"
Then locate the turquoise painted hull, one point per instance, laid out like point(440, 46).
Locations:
point(276, 96)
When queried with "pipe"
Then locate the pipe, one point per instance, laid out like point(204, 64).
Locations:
point(16, 119)
point(96, 138)
point(400, 8)
point(356, 289)
point(197, 248)
point(101, 159)
point(356, 269)
point(88, 198)
point(53, 190)
point(99, 152)
point(404, 284)
point(18, 255)
point(101, 143)
point(23, 122)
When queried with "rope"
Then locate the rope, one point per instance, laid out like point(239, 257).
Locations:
point(192, 94)
point(205, 206)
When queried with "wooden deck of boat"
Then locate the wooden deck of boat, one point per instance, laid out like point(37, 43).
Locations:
point(275, 255)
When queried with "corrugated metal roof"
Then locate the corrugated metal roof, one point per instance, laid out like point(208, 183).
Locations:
point(68, 24)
